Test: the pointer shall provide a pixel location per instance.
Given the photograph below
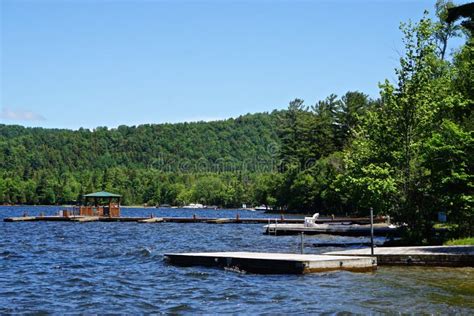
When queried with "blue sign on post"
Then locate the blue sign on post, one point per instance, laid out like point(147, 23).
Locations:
point(442, 217)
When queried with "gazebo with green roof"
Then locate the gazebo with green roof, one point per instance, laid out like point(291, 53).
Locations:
point(101, 204)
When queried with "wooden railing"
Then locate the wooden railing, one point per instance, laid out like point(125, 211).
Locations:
point(114, 211)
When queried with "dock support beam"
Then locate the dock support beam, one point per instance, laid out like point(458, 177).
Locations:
point(371, 231)
point(302, 242)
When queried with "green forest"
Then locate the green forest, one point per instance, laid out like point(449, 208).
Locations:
point(407, 154)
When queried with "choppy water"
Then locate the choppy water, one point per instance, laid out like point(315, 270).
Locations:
point(58, 267)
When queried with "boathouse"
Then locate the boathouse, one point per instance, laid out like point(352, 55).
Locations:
point(101, 204)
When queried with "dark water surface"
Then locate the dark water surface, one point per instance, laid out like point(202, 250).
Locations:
point(59, 267)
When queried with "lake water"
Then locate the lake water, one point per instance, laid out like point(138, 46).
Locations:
point(59, 267)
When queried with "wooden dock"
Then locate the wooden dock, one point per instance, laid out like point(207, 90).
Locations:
point(192, 219)
point(84, 219)
point(443, 256)
point(20, 219)
point(273, 263)
point(151, 220)
point(341, 244)
point(329, 229)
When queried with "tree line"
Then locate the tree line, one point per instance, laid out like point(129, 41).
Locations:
point(407, 154)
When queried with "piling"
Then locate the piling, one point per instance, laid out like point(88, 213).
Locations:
point(371, 231)
point(302, 243)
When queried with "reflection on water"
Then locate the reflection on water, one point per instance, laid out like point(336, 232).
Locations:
point(118, 267)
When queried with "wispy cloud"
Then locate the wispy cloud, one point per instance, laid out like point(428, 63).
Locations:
point(192, 119)
point(203, 119)
point(20, 115)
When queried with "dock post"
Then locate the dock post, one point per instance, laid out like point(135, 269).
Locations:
point(302, 243)
point(372, 231)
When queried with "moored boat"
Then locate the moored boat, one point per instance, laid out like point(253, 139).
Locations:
point(194, 206)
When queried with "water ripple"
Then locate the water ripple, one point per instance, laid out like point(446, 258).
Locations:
point(54, 267)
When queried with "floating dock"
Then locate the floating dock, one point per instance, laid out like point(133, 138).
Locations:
point(151, 220)
point(443, 256)
point(193, 219)
point(341, 244)
point(331, 229)
point(20, 219)
point(85, 219)
point(273, 263)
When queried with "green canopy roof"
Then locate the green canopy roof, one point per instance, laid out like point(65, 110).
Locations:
point(102, 194)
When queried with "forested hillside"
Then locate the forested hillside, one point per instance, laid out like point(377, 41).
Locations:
point(26, 150)
point(57, 166)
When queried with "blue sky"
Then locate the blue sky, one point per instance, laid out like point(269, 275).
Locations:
point(71, 64)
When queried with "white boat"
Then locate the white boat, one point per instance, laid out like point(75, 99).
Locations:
point(194, 206)
point(263, 208)
point(245, 208)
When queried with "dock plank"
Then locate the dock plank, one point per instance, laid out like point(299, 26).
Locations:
point(151, 220)
point(444, 256)
point(220, 221)
point(20, 219)
point(273, 263)
point(85, 219)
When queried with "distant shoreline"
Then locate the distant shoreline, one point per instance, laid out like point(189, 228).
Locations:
point(123, 206)
point(157, 208)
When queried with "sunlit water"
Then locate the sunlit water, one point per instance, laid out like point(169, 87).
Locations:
point(59, 267)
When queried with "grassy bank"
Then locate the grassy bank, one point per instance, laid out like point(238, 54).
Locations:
point(458, 242)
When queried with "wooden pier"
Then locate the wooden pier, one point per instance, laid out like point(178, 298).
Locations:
point(329, 229)
point(273, 263)
point(443, 256)
point(20, 219)
point(193, 219)
point(85, 219)
point(150, 219)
